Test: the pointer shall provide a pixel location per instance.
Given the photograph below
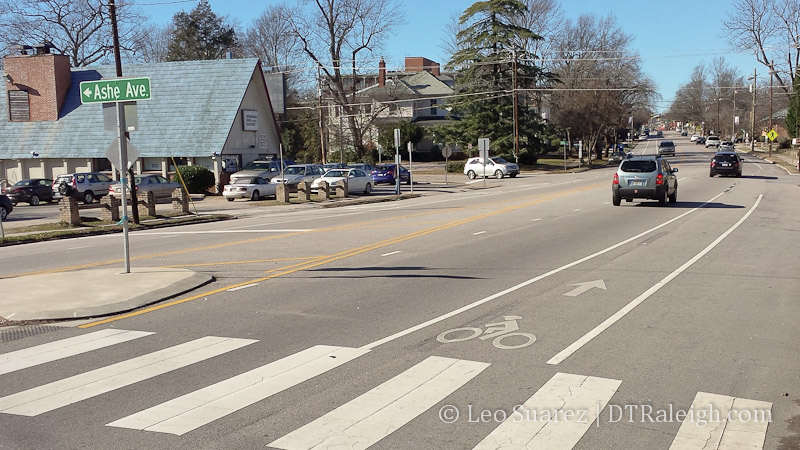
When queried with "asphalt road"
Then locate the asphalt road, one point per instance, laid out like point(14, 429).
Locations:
point(337, 324)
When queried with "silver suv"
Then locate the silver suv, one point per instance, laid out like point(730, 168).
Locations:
point(712, 141)
point(83, 186)
point(263, 168)
point(648, 177)
point(296, 173)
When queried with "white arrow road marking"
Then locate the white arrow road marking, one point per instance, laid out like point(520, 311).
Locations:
point(585, 286)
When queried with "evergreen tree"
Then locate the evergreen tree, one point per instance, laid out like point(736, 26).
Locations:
point(793, 113)
point(489, 47)
point(200, 34)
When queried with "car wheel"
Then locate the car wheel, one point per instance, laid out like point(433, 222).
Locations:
point(88, 197)
point(228, 199)
point(616, 199)
point(663, 199)
point(63, 189)
point(256, 195)
point(368, 188)
point(674, 197)
point(34, 201)
point(3, 212)
point(711, 173)
point(498, 174)
point(471, 174)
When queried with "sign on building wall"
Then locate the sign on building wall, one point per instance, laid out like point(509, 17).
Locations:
point(249, 120)
point(263, 141)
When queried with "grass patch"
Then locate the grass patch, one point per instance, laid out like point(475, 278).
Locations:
point(42, 227)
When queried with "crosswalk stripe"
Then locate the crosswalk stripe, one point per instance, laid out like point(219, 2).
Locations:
point(52, 351)
point(206, 405)
point(556, 416)
point(707, 426)
point(105, 379)
point(374, 415)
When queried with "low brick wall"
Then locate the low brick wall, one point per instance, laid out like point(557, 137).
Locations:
point(68, 211)
point(180, 201)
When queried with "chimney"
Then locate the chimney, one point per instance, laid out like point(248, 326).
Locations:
point(381, 72)
point(419, 64)
point(42, 79)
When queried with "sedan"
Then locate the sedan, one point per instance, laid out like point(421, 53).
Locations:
point(31, 191)
point(726, 146)
point(5, 207)
point(248, 187)
point(160, 186)
point(357, 180)
point(385, 174)
point(727, 163)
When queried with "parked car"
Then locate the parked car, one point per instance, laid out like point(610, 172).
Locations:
point(357, 180)
point(497, 167)
point(160, 186)
point(694, 137)
point(712, 141)
point(83, 186)
point(368, 168)
point(700, 140)
point(616, 157)
point(328, 166)
point(32, 191)
point(262, 168)
point(384, 173)
point(299, 172)
point(726, 146)
point(666, 148)
point(684, 133)
point(5, 206)
point(726, 163)
point(253, 188)
point(649, 177)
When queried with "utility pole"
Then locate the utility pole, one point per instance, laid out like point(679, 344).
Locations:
point(733, 119)
point(753, 114)
point(516, 115)
point(718, 125)
point(321, 123)
point(771, 73)
point(112, 11)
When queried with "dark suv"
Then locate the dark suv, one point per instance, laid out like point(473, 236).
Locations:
point(666, 148)
point(648, 177)
point(728, 163)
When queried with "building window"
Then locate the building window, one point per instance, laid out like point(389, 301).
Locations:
point(433, 107)
point(19, 106)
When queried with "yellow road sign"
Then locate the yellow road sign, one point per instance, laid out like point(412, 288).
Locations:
point(772, 135)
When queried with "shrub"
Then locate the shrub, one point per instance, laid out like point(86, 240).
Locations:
point(198, 179)
point(455, 166)
point(785, 143)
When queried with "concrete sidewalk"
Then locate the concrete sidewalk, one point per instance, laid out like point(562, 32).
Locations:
point(91, 293)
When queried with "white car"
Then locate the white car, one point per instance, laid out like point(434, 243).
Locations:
point(712, 141)
point(497, 167)
point(694, 137)
point(357, 180)
point(253, 188)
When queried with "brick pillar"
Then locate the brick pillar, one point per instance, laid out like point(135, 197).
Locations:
point(147, 203)
point(282, 193)
point(340, 189)
point(323, 191)
point(110, 211)
point(304, 191)
point(180, 201)
point(68, 211)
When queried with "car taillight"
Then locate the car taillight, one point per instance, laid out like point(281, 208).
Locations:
point(713, 163)
point(74, 183)
point(660, 179)
point(735, 164)
point(616, 179)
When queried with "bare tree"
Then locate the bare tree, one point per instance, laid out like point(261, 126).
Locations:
point(334, 33)
point(450, 43)
point(152, 45)
point(771, 30)
point(600, 81)
point(270, 39)
point(545, 19)
point(80, 29)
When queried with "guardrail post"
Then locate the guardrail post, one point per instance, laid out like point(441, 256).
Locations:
point(304, 191)
point(340, 189)
point(282, 193)
point(110, 211)
point(180, 201)
point(323, 191)
point(147, 203)
point(68, 211)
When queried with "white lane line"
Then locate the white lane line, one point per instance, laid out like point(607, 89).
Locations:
point(239, 288)
point(473, 181)
point(564, 397)
point(392, 253)
point(564, 354)
point(681, 179)
point(605, 203)
point(288, 230)
point(535, 220)
point(480, 302)
point(478, 233)
point(52, 351)
point(77, 248)
point(376, 414)
point(747, 428)
point(198, 408)
point(71, 390)
point(576, 210)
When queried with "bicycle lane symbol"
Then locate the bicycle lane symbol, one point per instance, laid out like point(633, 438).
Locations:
point(495, 331)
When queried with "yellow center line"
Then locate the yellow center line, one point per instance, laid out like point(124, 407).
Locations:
point(253, 261)
point(344, 254)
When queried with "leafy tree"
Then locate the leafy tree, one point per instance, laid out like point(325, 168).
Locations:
point(78, 29)
point(490, 47)
point(200, 35)
point(793, 113)
point(198, 179)
point(409, 132)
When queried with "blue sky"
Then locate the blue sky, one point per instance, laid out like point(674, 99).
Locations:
point(671, 37)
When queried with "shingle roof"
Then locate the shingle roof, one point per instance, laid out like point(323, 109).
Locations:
point(190, 113)
point(413, 85)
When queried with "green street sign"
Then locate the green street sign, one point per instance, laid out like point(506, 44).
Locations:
point(115, 90)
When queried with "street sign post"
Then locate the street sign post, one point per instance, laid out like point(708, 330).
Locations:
point(483, 151)
point(115, 90)
point(447, 152)
point(397, 161)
